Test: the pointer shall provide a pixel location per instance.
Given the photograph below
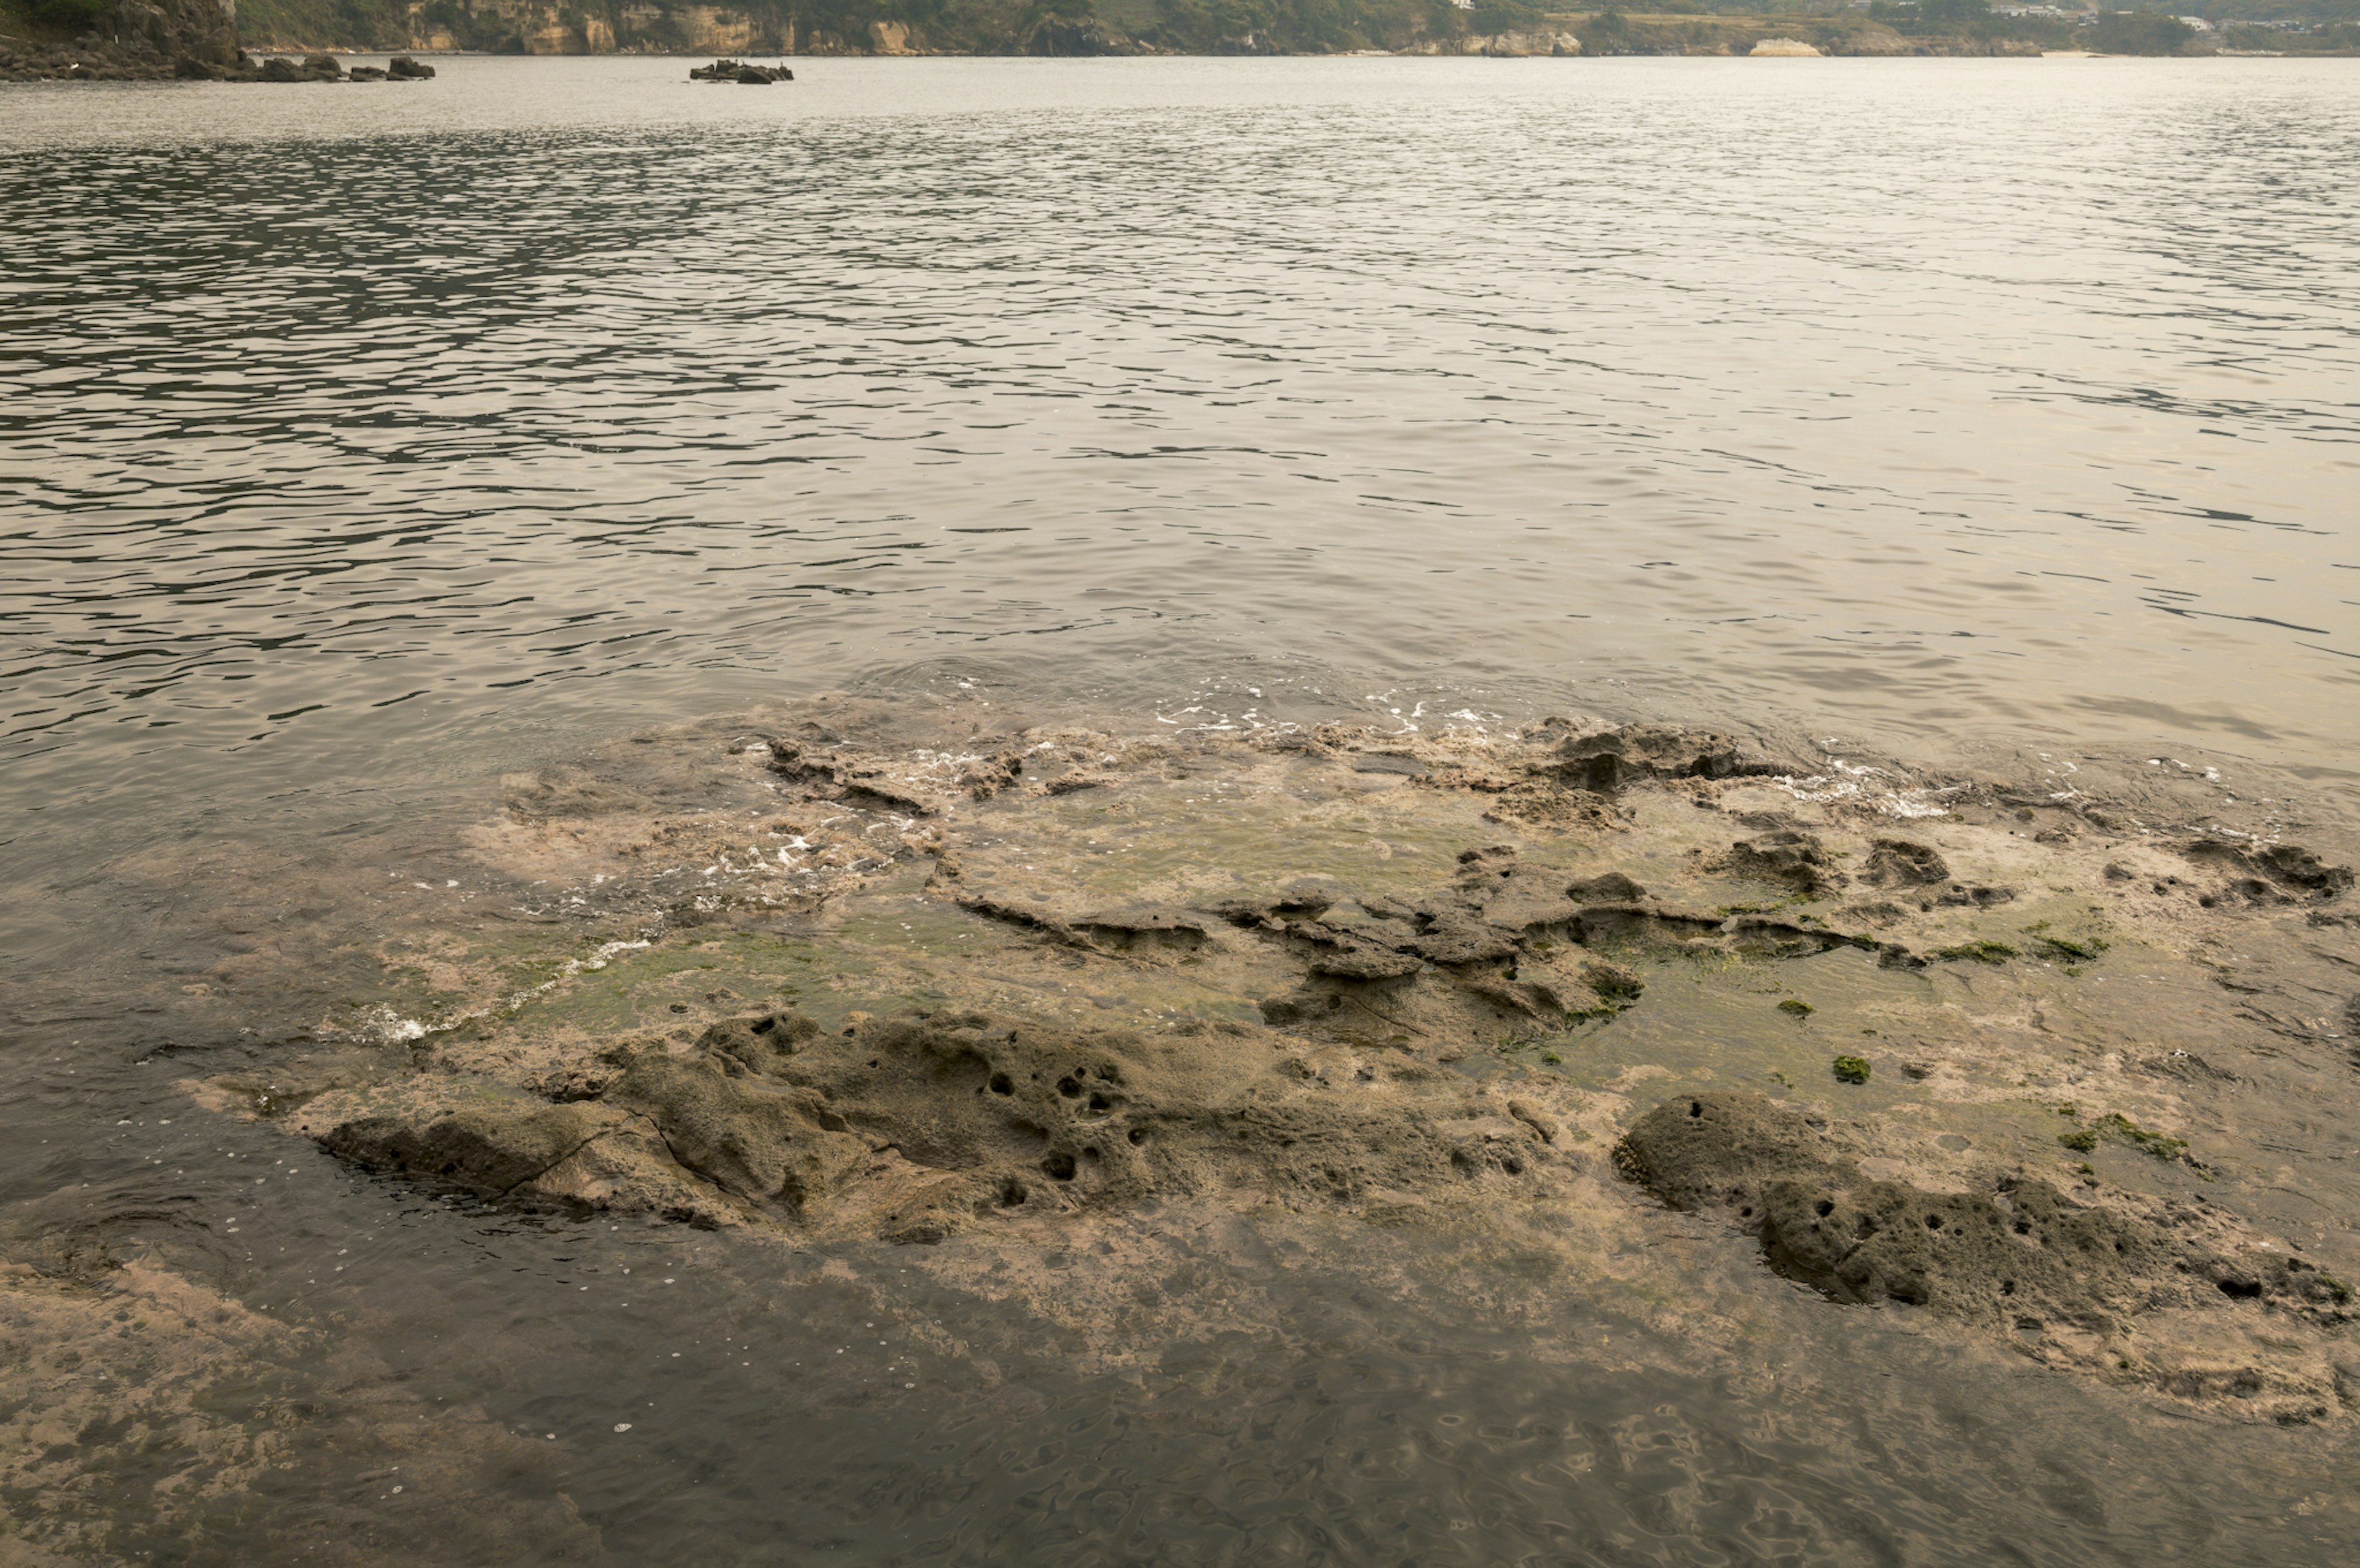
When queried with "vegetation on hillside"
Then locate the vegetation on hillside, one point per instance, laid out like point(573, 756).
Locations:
point(2141, 32)
point(988, 27)
point(63, 18)
point(1228, 27)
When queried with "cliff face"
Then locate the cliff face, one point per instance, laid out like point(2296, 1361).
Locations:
point(615, 27)
point(117, 40)
point(129, 39)
point(145, 37)
point(871, 27)
point(203, 30)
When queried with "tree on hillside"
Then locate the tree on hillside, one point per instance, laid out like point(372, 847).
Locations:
point(2140, 32)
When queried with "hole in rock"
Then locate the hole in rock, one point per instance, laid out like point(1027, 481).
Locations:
point(1000, 1086)
point(1060, 1167)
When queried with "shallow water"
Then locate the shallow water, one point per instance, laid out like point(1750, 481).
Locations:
point(356, 444)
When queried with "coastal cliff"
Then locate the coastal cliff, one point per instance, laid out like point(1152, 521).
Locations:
point(202, 30)
point(876, 26)
point(145, 37)
point(1494, 28)
point(119, 39)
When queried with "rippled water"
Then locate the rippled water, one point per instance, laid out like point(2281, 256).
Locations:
point(357, 443)
point(1915, 397)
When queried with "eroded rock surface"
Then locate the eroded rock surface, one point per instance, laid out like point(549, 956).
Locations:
point(2011, 1255)
point(848, 972)
point(919, 1128)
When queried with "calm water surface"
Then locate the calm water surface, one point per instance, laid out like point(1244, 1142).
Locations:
point(356, 443)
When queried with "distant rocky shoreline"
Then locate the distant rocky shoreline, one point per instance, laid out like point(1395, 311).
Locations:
point(130, 40)
point(116, 63)
point(165, 41)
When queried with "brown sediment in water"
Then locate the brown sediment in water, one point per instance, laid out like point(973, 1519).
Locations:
point(845, 972)
point(146, 1408)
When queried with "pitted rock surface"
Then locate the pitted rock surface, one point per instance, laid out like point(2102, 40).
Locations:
point(918, 1127)
point(2015, 1254)
point(1426, 986)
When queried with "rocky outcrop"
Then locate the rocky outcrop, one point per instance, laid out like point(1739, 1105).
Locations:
point(741, 74)
point(2271, 873)
point(1904, 862)
point(893, 978)
point(2011, 1249)
point(1501, 46)
point(202, 30)
point(925, 1126)
point(1797, 860)
point(137, 41)
point(2012, 1256)
point(1069, 36)
point(128, 42)
point(311, 68)
point(197, 40)
point(1609, 760)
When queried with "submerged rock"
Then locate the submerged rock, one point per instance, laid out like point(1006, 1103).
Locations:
point(2280, 872)
point(489, 1144)
point(1797, 859)
point(2012, 1256)
point(922, 1127)
point(1609, 759)
point(883, 977)
point(1903, 863)
point(758, 1139)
